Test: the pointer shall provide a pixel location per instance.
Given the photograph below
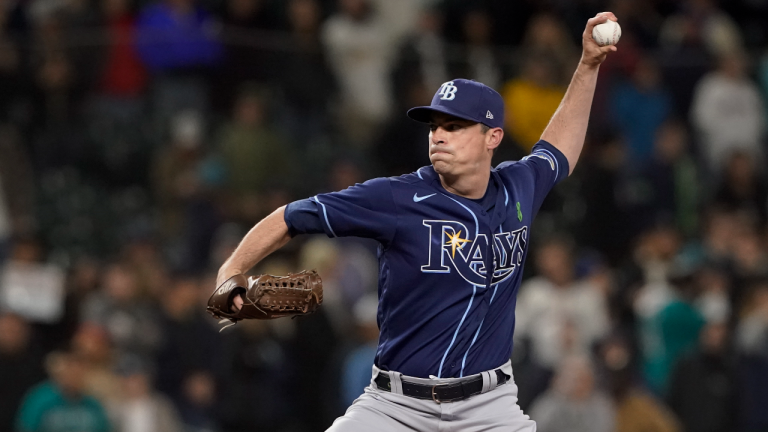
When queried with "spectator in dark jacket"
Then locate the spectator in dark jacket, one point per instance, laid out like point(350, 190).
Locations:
point(702, 388)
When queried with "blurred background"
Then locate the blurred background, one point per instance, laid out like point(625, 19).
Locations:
point(140, 140)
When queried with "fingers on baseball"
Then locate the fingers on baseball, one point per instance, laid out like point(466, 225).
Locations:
point(598, 19)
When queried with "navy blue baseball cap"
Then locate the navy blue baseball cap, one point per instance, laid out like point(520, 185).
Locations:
point(466, 99)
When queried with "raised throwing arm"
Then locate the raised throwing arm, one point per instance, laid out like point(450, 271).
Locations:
point(568, 127)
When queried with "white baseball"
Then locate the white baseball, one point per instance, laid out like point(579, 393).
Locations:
point(607, 33)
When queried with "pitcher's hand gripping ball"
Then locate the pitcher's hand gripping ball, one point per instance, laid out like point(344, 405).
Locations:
point(607, 33)
point(267, 296)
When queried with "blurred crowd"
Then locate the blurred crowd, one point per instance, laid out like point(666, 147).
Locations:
point(140, 140)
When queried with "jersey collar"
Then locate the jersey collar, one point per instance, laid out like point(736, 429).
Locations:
point(499, 215)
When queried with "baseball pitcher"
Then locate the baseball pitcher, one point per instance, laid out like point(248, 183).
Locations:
point(453, 238)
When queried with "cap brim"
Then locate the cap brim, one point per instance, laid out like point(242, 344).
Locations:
point(423, 114)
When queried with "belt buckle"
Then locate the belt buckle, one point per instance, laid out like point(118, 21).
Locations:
point(434, 396)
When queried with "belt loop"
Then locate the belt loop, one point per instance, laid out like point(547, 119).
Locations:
point(374, 373)
point(486, 382)
point(395, 382)
point(490, 381)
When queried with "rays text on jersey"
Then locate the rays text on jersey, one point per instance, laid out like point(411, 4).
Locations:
point(468, 256)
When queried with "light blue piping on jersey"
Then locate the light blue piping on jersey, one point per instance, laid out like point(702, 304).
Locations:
point(440, 371)
point(464, 360)
point(418, 173)
point(474, 291)
point(554, 159)
point(477, 225)
point(325, 213)
point(557, 165)
point(506, 195)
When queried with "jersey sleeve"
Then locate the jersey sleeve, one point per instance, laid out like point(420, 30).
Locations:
point(364, 210)
point(545, 166)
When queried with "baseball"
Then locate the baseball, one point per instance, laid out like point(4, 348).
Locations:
point(607, 33)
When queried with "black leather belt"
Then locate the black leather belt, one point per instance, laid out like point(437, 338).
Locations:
point(443, 392)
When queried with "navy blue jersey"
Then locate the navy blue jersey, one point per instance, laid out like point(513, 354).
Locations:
point(449, 269)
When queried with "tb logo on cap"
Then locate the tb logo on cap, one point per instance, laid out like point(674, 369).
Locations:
point(447, 91)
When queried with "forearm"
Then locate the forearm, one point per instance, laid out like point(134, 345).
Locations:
point(264, 238)
point(568, 127)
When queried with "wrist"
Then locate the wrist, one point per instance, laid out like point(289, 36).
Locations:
point(226, 272)
point(587, 68)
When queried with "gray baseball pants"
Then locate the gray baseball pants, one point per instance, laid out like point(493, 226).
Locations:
point(493, 410)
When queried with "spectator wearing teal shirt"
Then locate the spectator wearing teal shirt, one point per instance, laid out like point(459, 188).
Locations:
point(670, 333)
point(59, 405)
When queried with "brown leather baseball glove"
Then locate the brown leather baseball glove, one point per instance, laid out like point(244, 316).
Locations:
point(267, 296)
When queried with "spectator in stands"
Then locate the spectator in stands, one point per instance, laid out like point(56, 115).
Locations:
point(422, 58)
point(60, 404)
point(636, 410)
point(546, 35)
point(559, 313)
point(701, 22)
point(176, 41)
point(720, 229)
point(479, 57)
point(17, 187)
point(141, 407)
point(176, 36)
point(250, 48)
point(190, 342)
point(92, 344)
point(401, 148)
point(21, 366)
point(360, 54)
point(124, 75)
point(131, 321)
point(304, 76)
point(185, 177)
point(198, 406)
point(573, 403)
point(673, 180)
point(356, 370)
point(116, 116)
point(639, 107)
point(671, 331)
point(749, 259)
point(743, 188)
point(606, 219)
point(715, 293)
point(702, 388)
point(728, 113)
point(250, 147)
point(751, 341)
point(531, 99)
point(752, 331)
point(258, 357)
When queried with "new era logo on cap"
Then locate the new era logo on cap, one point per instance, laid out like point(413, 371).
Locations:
point(465, 99)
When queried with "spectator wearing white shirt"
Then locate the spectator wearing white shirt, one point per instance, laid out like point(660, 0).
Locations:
point(560, 314)
point(728, 113)
point(360, 51)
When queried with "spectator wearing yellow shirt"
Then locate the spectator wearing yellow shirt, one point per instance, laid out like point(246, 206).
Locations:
point(531, 99)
